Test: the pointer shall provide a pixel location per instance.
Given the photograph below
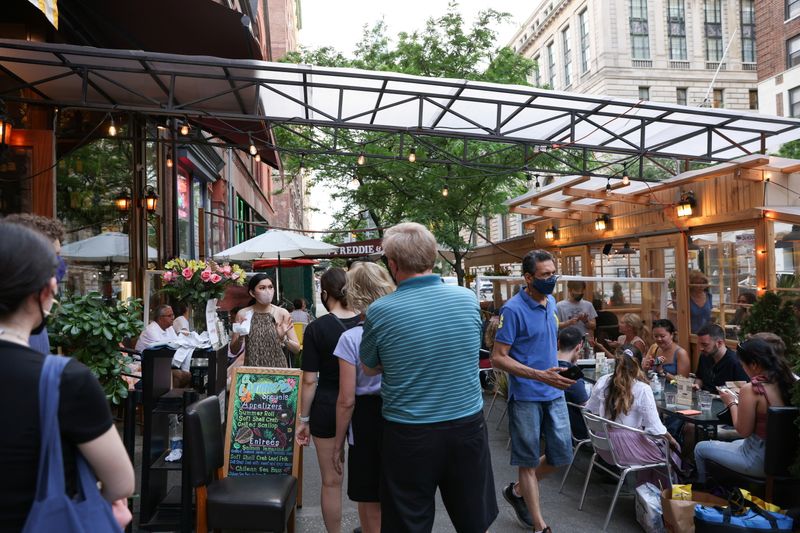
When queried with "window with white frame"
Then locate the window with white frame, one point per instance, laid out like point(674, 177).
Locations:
point(644, 93)
point(537, 72)
point(748, 31)
point(551, 65)
point(640, 34)
point(794, 102)
point(583, 22)
point(792, 8)
point(565, 46)
point(713, 30)
point(793, 52)
point(681, 95)
point(676, 26)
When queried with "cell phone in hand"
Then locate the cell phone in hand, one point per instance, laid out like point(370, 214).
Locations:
point(574, 373)
point(721, 388)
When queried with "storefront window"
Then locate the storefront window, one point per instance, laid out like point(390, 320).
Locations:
point(197, 202)
point(787, 258)
point(184, 215)
point(722, 266)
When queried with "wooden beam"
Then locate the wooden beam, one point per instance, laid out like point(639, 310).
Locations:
point(749, 175)
point(607, 196)
point(547, 213)
point(528, 196)
point(694, 176)
point(541, 202)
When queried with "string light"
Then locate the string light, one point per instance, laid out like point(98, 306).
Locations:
point(361, 159)
point(302, 169)
point(537, 186)
point(253, 149)
point(626, 180)
point(169, 159)
point(257, 157)
point(112, 129)
point(412, 155)
point(608, 185)
point(185, 129)
point(445, 189)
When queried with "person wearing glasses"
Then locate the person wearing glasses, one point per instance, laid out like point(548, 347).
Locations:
point(770, 382)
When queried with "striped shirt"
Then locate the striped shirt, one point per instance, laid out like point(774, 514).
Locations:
point(427, 337)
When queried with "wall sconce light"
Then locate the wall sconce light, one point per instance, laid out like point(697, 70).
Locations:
point(150, 200)
point(601, 223)
point(123, 201)
point(687, 204)
point(551, 233)
point(5, 128)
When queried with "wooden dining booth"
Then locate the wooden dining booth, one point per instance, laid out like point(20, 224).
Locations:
point(736, 222)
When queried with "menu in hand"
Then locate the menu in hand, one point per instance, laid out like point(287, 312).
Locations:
point(262, 420)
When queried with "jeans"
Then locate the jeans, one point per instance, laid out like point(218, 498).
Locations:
point(745, 456)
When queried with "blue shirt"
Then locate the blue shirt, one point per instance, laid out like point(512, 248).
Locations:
point(40, 342)
point(427, 336)
point(531, 329)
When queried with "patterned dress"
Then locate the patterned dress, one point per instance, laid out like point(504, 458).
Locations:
point(263, 348)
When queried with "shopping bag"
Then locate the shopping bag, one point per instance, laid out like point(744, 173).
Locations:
point(648, 508)
point(679, 514)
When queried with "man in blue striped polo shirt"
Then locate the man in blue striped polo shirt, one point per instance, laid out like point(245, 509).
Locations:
point(526, 347)
point(425, 338)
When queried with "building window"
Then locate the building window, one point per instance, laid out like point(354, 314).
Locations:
point(719, 98)
point(537, 73)
point(644, 93)
point(793, 52)
point(748, 31)
point(753, 95)
point(681, 94)
point(583, 21)
point(794, 102)
point(551, 66)
point(792, 8)
point(640, 38)
point(565, 46)
point(676, 22)
point(713, 28)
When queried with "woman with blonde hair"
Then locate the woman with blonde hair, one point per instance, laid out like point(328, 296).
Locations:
point(626, 398)
point(634, 332)
point(358, 408)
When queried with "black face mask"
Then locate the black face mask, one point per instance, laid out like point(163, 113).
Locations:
point(578, 297)
point(38, 329)
point(324, 300)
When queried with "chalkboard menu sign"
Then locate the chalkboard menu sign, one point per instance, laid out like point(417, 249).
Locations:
point(262, 420)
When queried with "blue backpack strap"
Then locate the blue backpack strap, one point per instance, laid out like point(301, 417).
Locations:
point(50, 478)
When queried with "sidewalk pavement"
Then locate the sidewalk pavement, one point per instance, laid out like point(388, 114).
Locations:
point(560, 510)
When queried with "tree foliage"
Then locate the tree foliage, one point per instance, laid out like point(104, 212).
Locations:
point(388, 186)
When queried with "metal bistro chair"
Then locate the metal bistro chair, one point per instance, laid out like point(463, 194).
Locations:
point(599, 429)
point(577, 444)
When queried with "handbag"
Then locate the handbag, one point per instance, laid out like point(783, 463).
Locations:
point(53, 509)
point(743, 513)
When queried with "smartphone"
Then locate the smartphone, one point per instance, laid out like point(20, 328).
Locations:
point(725, 388)
point(574, 373)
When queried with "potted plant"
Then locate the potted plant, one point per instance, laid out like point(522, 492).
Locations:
point(91, 330)
point(196, 282)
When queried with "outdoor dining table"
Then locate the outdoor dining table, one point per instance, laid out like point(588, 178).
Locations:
point(705, 422)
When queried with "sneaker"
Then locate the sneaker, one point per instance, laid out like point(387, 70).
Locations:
point(518, 504)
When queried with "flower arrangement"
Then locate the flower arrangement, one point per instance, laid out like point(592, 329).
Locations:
point(196, 282)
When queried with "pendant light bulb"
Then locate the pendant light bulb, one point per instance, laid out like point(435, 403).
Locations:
point(412, 155)
point(537, 186)
point(257, 157)
point(445, 190)
point(169, 161)
point(253, 149)
point(112, 129)
point(302, 169)
point(361, 159)
point(185, 129)
point(608, 185)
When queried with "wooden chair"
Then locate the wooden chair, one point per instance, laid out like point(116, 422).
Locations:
point(780, 450)
point(265, 502)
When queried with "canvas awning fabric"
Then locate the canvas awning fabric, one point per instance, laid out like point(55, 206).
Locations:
point(227, 89)
point(262, 264)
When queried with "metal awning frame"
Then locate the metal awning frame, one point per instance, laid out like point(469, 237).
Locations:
point(255, 85)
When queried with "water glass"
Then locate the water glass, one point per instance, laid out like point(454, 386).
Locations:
point(704, 401)
point(669, 399)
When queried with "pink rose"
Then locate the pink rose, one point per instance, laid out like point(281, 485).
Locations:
point(187, 273)
point(168, 276)
point(226, 270)
point(205, 275)
point(215, 278)
point(235, 276)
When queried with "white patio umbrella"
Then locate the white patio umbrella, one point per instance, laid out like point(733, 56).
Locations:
point(108, 247)
point(276, 244)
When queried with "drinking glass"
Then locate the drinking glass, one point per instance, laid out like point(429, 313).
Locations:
point(704, 401)
point(669, 398)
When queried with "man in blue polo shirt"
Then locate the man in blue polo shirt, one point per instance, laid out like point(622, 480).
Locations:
point(526, 348)
point(425, 338)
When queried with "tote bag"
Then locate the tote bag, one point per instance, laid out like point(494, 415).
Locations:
point(53, 509)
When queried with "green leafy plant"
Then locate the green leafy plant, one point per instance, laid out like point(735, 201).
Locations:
point(773, 314)
point(87, 328)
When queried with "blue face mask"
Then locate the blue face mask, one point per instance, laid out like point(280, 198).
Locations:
point(61, 271)
point(545, 286)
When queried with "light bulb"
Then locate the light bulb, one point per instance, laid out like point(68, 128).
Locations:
point(608, 185)
point(257, 157)
point(112, 129)
point(253, 149)
point(626, 180)
point(185, 129)
point(169, 162)
point(537, 186)
point(361, 158)
point(445, 190)
point(412, 155)
point(354, 182)
point(302, 169)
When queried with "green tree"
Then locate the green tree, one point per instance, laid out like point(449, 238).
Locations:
point(389, 187)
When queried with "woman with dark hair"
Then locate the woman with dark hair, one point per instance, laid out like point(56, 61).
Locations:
point(771, 382)
point(744, 301)
point(27, 293)
point(267, 327)
point(665, 356)
point(318, 402)
point(181, 324)
point(625, 397)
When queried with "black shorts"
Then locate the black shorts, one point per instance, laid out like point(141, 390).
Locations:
point(453, 456)
point(323, 413)
point(364, 457)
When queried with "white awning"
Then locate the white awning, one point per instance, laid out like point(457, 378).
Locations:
point(128, 80)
